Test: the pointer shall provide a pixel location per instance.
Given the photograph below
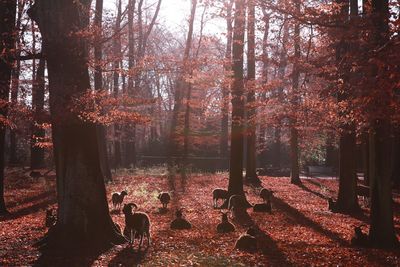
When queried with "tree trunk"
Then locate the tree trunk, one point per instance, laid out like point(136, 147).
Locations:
point(235, 185)
point(117, 55)
point(15, 84)
point(277, 150)
point(188, 85)
point(98, 85)
point(224, 146)
point(38, 133)
point(382, 232)
point(7, 28)
point(251, 175)
point(130, 146)
point(262, 133)
point(181, 85)
point(294, 135)
point(347, 195)
point(83, 217)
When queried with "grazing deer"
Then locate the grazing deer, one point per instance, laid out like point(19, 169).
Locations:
point(266, 194)
point(165, 198)
point(219, 193)
point(117, 199)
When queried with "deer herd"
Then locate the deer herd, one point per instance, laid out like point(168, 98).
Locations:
point(137, 224)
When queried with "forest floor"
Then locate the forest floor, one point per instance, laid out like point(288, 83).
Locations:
point(299, 232)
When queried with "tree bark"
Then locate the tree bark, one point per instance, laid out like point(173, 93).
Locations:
point(265, 61)
point(38, 133)
point(181, 85)
point(224, 146)
point(83, 217)
point(277, 145)
point(130, 146)
point(251, 175)
point(294, 135)
point(98, 85)
point(235, 185)
point(381, 232)
point(188, 85)
point(15, 83)
point(117, 55)
point(7, 28)
point(347, 195)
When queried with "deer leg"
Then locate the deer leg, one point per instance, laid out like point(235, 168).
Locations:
point(141, 241)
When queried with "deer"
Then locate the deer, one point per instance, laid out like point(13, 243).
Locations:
point(180, 223)
point(219, 193)
point(225, 226)
point(137, 224)
point(164, 197)
point(117, 199)
point(266, 194)
point(247, 241)
point(359, 239)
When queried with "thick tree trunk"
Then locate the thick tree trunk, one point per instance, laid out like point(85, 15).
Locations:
point(38, 133)
point(235, 185)
point(224, 146)
point(382, 232)
point(83, 217)
point(396, 159)
point(294, 135)
point(347, 196)
point(251, 175)
point(7, 28)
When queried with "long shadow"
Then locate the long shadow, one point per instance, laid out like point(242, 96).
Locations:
point(68, 258)
point(28, 210)
point(299, 218)
point(318, 194)
point(128, 257)
point(270, 249)
point(314, 182)
point(38, 197)
point(360, 215)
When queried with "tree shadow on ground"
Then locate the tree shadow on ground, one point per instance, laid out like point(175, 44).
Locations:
point(270, 249)
point(68, 257)
point(28, 210)
point(321, 185)
point(359, 215)
point(128, 257)
point(296, 217)
point(38, 197)
point(318, 194)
